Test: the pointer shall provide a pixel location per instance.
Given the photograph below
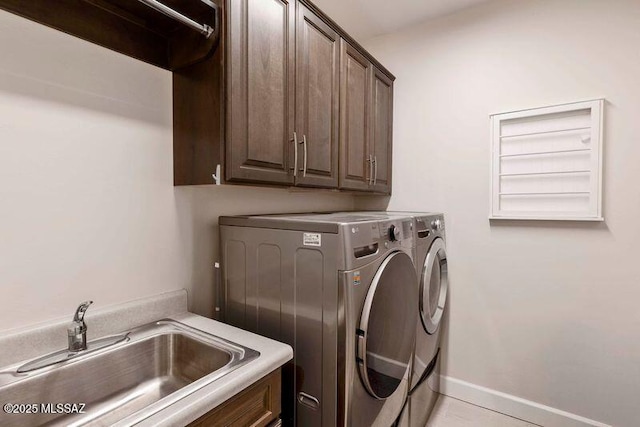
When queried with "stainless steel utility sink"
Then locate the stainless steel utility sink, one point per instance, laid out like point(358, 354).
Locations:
point(156, 366)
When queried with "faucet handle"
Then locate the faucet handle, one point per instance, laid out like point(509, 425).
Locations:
point(81, 310)
point(77, 330)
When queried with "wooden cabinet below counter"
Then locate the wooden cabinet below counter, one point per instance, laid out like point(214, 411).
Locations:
point(256, 406)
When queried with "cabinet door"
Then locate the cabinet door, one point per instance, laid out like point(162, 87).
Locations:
point(256, 406)
point(355, 100)
point(317, 100)
point(381, 131)
point(260, 90)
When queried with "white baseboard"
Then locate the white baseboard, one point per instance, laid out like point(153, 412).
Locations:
point(511, 405)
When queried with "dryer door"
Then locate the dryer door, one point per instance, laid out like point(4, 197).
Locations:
point(386, 336)
point(433, 286)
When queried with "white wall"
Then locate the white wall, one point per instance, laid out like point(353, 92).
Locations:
point(545, 311)
point(87, 204)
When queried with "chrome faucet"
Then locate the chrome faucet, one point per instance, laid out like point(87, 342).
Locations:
point(77, 330)
point(77, 334)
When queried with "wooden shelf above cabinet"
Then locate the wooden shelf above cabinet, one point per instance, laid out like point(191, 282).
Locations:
point(130, 27)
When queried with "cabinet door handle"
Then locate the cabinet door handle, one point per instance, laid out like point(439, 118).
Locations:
point(295, 154)
point(304, 145)
point(370, 167)
point(308, 400)
point(375, 170)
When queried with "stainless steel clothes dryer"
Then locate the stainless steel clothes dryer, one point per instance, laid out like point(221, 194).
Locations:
point(335, 287)
point(431, 261)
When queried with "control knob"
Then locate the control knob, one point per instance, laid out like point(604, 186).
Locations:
point(436, 224)
point(394, 233)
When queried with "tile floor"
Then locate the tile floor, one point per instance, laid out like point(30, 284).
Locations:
point(450, 412)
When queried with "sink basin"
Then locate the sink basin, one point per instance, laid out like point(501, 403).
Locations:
point(160, 364)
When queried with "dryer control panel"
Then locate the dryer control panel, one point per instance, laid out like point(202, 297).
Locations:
point(429, 226)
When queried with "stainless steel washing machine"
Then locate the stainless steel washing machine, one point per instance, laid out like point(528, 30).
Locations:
point(335, 287)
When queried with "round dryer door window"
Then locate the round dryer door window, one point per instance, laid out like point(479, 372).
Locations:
point(387, 327)
point(433, 286)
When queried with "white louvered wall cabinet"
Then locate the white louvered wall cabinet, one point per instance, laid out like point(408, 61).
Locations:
point(546, 163)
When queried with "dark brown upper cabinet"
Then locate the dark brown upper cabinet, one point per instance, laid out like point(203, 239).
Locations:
point(317, 101)
point(355, 120)
point(261, 97)
point(366, 106)
point(287, 99)
point(282, 126)
point(381, 131)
